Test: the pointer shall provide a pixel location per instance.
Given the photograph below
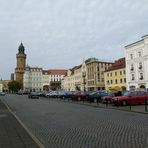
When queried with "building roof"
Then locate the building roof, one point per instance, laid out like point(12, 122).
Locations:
point(55, 71)
point(91, 60)
point(139, 41)
point(119, 64)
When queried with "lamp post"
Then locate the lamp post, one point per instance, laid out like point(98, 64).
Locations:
point(84, 75)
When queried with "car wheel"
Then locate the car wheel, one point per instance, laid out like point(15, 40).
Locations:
point(95, 100)
point(124, 103)
point(79, 99)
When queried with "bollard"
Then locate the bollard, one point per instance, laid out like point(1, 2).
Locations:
point(117, 102)
point(146, 103)
point(106, 103)
point(130, 106)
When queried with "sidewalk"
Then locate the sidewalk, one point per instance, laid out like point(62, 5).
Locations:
point(12, 134)
point(136, 108)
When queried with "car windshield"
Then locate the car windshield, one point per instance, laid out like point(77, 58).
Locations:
point(126, 94)
point(111, 94)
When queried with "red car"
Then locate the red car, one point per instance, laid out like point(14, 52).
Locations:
point(108, 98)
point(131, 98)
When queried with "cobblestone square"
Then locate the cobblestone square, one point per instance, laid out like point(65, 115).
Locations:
point(59, 124)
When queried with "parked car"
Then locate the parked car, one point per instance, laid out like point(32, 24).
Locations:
point(131, 98)
point(76, 96)
point(108, 99)
point(23, 92)
point(64, 94)
point(52, 94)
point(41, 94)
point(97, 96)
point(2, 94)
point(33, 95)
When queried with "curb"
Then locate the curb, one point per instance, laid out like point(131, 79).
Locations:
point(36, 140)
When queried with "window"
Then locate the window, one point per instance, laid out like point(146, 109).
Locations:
point(132, 67)
point(131, 56)
point(141, 76)
point(101, 65)
point(111, 82)
point(116, 81)
point(133, 77)
point(140, 65)
point(120, 72)
point(139, 53)
point(115, 73)
point(108, 82)
point(111, 74)
point(120, 80)
point(124, 80)
point(124, 72)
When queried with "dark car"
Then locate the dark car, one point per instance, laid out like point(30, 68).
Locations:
point(2, 94)
point(64, 95)
point(131, 98)
point(97, 96)
point(76, 96)
point(33, 95)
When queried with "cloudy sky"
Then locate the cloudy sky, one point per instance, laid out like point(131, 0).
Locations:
point(61, 33)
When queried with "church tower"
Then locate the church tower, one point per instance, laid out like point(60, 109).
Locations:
point(20, 64)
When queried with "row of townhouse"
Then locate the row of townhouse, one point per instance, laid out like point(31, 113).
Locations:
point(128, 73)
point(37, 79)
point(88, 76)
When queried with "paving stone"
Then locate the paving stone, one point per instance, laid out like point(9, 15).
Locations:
point(12, 134)
point(60, 124)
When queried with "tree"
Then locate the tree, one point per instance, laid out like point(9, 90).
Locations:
point(14, 86)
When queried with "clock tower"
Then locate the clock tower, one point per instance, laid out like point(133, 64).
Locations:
point(20, 64)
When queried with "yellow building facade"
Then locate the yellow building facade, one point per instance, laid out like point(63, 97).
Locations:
point(115, 76)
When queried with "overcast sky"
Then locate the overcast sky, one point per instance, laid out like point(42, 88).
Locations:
point(61, 33)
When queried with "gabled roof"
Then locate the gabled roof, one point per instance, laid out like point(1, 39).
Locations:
point(55, 71)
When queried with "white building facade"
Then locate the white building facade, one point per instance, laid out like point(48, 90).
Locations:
point(52, 79)
point(137, 64)
point(32, 80)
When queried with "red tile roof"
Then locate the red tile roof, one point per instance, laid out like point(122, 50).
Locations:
point(55, 71)
point(119, 64)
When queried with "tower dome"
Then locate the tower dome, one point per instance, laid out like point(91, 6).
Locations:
point(21, 48)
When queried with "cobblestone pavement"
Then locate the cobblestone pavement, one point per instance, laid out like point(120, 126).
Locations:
point(66, 125)
point(12, 134)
